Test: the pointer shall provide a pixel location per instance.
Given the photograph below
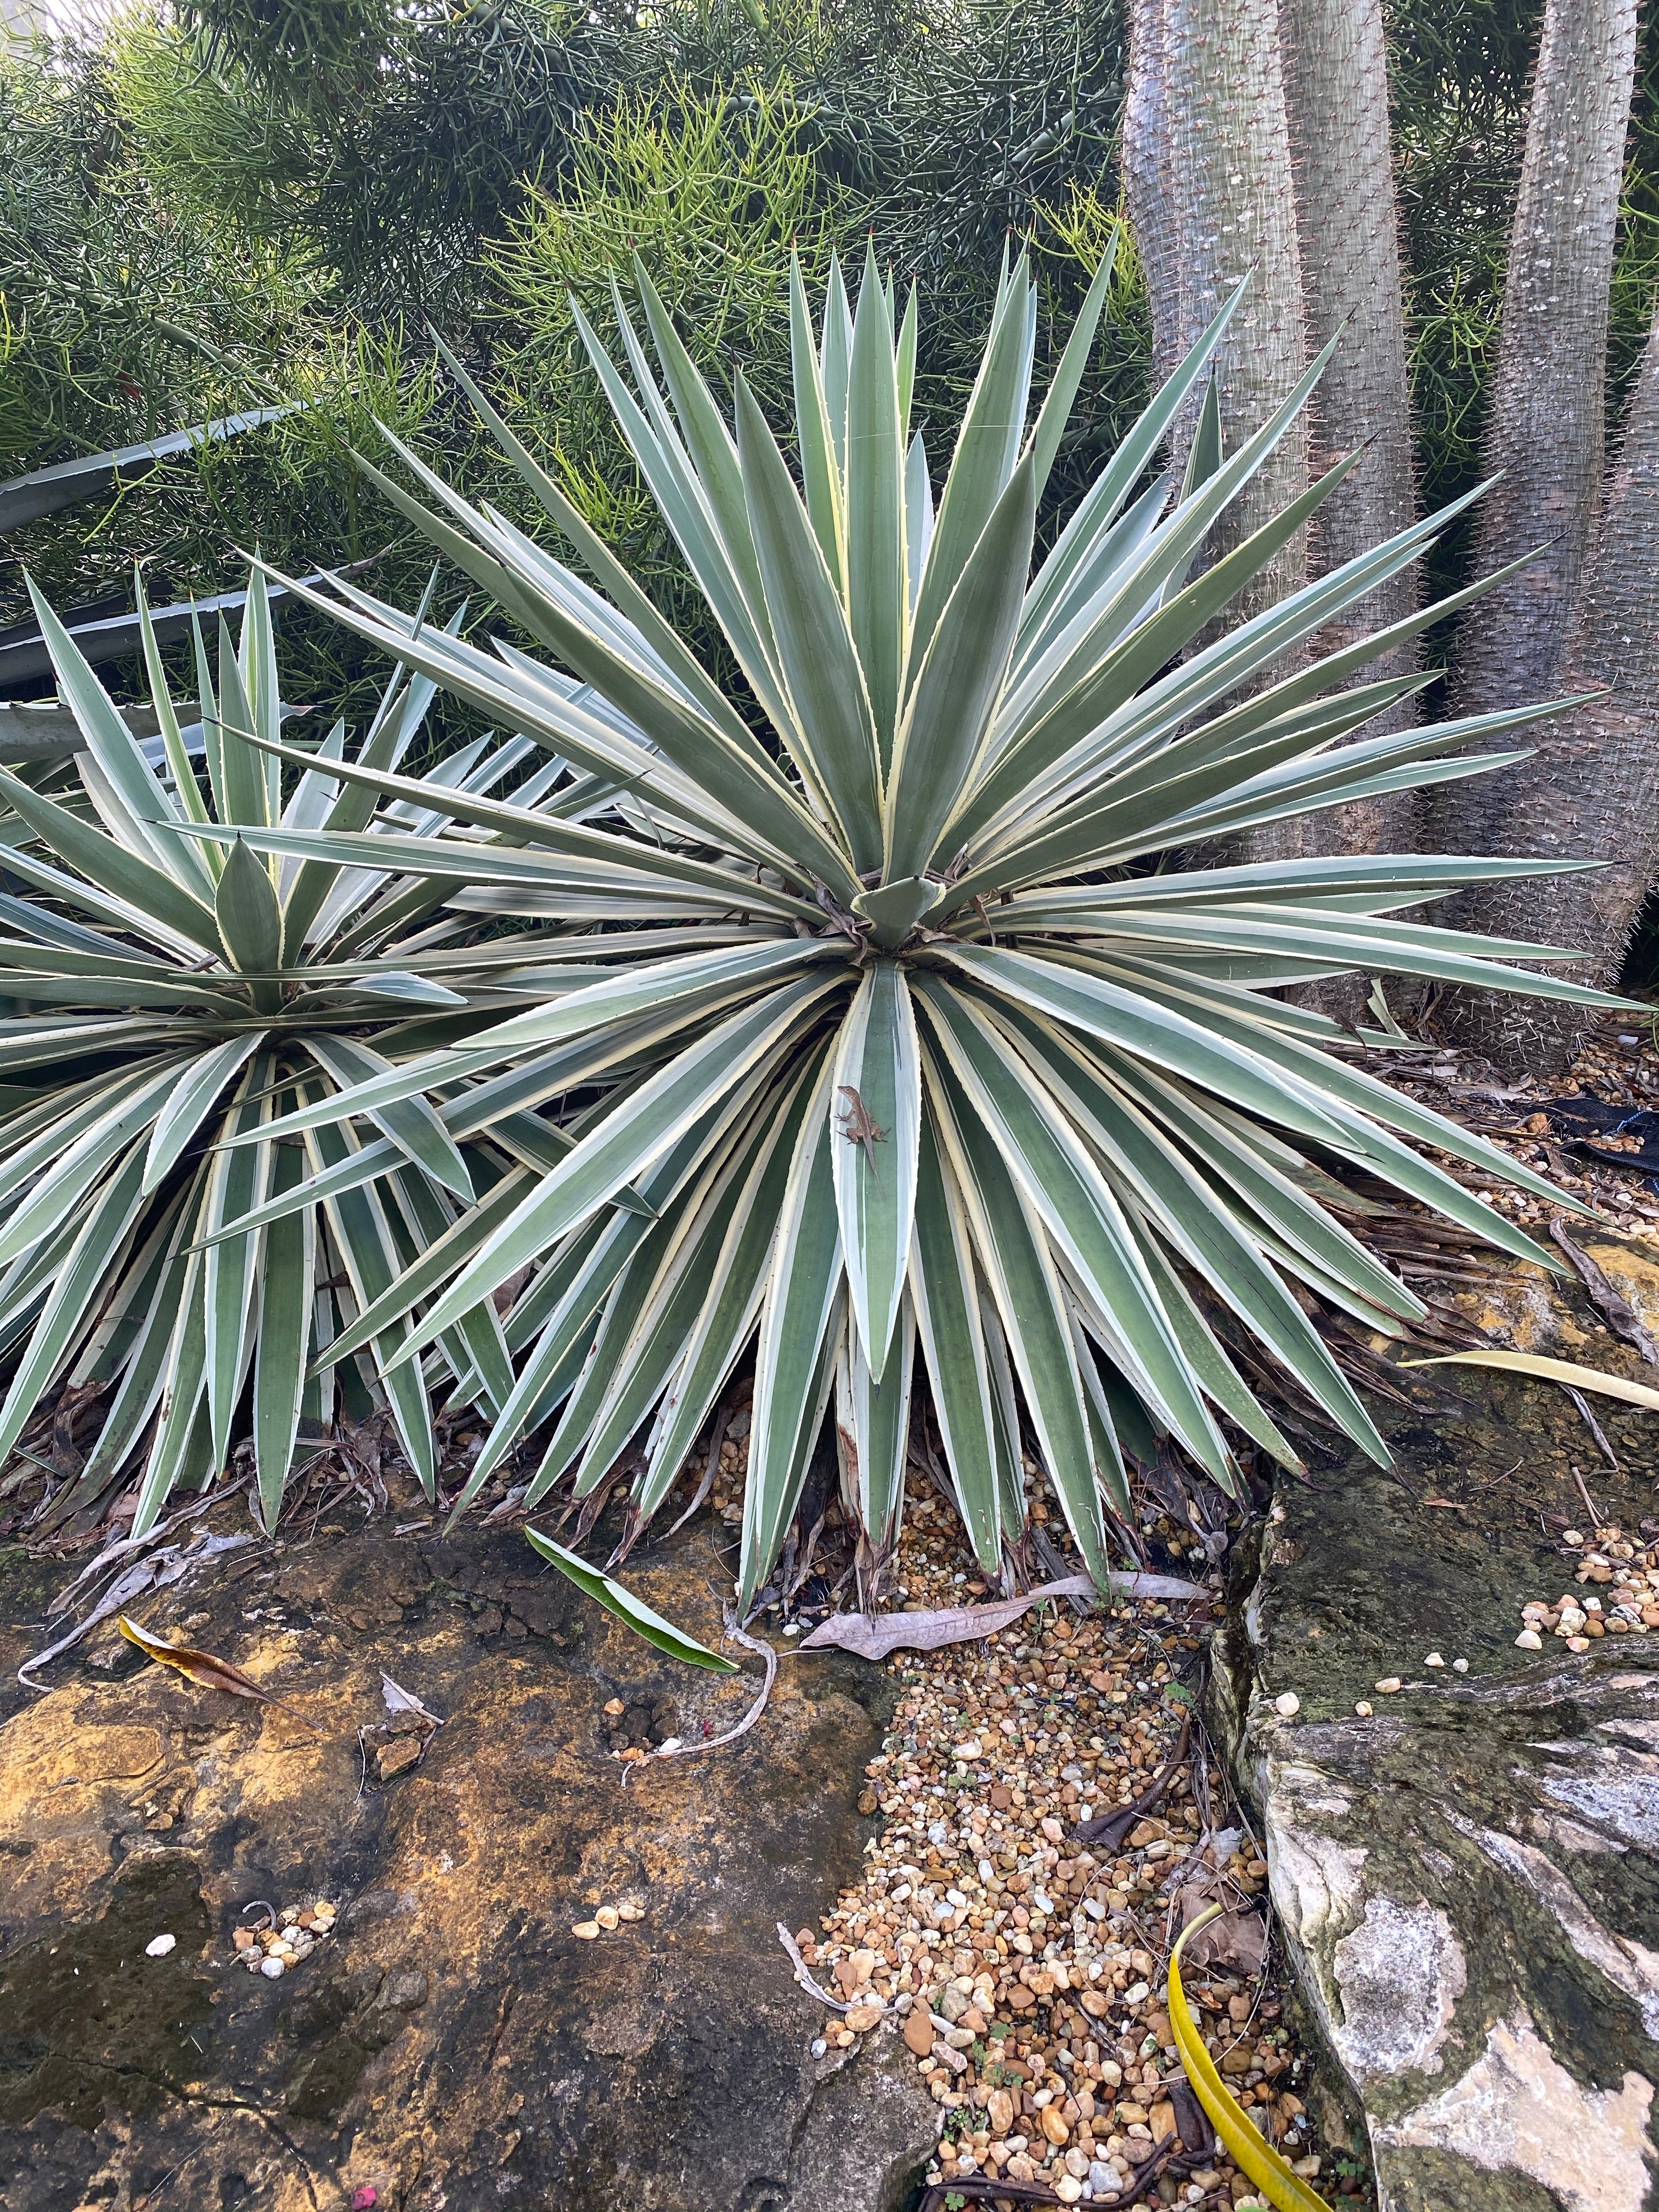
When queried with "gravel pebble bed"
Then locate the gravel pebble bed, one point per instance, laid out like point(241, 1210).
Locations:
point(1026, 1970)
point(288, 1941)
point(1624, 1601)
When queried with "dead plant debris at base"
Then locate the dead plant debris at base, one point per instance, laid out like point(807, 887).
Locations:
point(1026, 1968)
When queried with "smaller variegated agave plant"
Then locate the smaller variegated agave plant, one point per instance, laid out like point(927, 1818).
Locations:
point(167, 994)
point(916, 1048)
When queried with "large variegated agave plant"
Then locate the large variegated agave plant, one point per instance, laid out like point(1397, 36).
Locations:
point(915, 1046)
point(167, 993)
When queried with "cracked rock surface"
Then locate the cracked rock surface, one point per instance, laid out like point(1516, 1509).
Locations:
point(453, 2043)
point(1465, 1868)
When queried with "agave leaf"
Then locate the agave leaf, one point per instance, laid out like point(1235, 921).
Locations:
point(245, 793)
point(142, 1374)
point(235, 1184)
point(803, 1283)
point(78, 1280)
point(877, 597)
point(410, 1123)
point(1088, 1001)
point(356, 1219)
point(693, 1244)
point(1216, 1242)
point(131, 797)
point(286, 1274)
point(951, 697)
point(78, 1166)
point(987, 446)
point(642, 1128)
point(872, 1428)
point(837, 359)
point(656, 637)
point(614, 1345)
point(944, 1290)
point(876, 1101)
point(631, 1611)
point(815, 441)
point(181, 1437)
point(1053, 415)
point(251, 922)
point(837, 742)
point(145, 889)
point(736, 1285)
point(1079, 1212)
point(1014, 1255)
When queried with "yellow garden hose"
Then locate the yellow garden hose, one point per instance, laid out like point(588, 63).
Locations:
point(1250, 2151)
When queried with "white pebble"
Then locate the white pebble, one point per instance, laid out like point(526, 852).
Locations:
point(1460, 1666)
point(272, 1969)
point(159, 1945)
point(1363, 1708)
point(1434, 1659)
point(1530, 1640)
point(819, 2046)
point(1287, 1703)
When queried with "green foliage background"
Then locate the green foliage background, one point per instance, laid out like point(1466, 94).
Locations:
point(228, 199)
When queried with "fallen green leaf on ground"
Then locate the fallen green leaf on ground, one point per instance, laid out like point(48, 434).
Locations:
point(630, 1609)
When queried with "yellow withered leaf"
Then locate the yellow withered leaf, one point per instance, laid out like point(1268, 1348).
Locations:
point(1567, 1371)
point(205, 1670)
point(1248, 2149)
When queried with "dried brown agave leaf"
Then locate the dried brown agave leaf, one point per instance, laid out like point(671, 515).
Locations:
point(206, 1671)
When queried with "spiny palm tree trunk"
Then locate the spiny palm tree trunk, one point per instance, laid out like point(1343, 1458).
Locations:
point(1148, 177)
point(1336, 93)
point(1234, 208)
point(1546, 429)
point(1592, 790)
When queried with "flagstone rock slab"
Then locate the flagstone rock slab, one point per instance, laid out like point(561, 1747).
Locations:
point(453, 2043)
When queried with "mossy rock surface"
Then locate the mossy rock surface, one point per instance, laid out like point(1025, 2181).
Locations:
point(1468, 1877)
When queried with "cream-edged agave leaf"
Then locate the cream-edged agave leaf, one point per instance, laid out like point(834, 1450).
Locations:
point(75, 1286)
point(1011, 1248)
point(631, 1611)
point(835, 729)
point(735, 1286)
point(872, 1428)
point(878, 592)
point(139, 883)
point(804, 1281)
point(820, 462)
point(876, 1106)
point(944, 1292)
point(739, 1049)
point(1079, 1210)
point(951, 696)
point(287, 1294)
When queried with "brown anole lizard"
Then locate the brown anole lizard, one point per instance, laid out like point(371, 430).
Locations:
point(857, 1125)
